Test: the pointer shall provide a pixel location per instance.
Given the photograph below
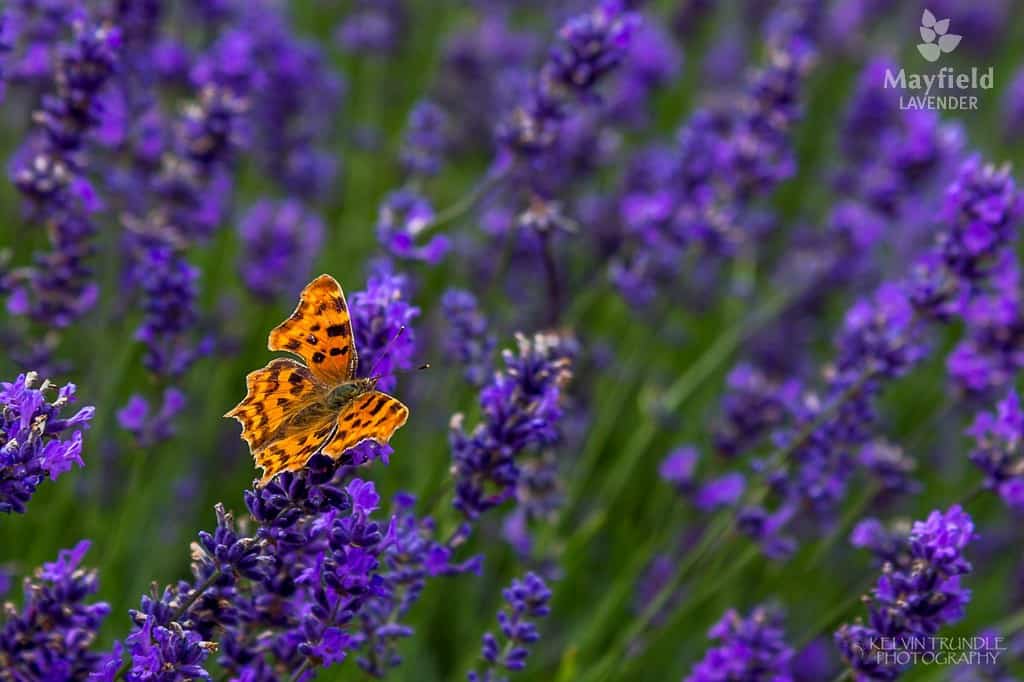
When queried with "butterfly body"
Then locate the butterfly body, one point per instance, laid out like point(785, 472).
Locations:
point(345, 393)
point(292, 411)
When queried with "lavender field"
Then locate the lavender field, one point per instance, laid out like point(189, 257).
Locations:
point(679, 340)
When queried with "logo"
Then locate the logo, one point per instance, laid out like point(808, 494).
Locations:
point(936, 36)
point(917, 650)
point(944, 88)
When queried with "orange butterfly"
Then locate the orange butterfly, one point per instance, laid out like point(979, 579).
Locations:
point(292, 411)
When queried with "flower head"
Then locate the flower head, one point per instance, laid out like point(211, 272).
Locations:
point(280, 240)
point(527, 600)
point(998, 439)
point(36, 440)
point(918, 592)
point(751, 648)
point(521, 408)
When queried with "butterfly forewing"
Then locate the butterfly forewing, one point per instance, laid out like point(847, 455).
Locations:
point(274, 394)
point(320, 332)
point(371, 416)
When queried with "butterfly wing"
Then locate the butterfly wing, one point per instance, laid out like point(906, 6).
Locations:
point(274, 393)
point(371, 416)
point(320, 332)
point(293, 450)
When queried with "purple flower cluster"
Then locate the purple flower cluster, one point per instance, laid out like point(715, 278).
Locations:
point(697, 193)
point(169, 287)
point(917, 594)
point(382, 317)
point(591, 46)
point(468, 340)
point(521, 408)
point(827, 434)
point(148, 424)
point(290, 93)
point(319, 579)
point(415, 557)
point(36, 441)
point(980, 217)
point(998, 438)
point(527, 600)
point(50, 170)
point(402, 216)
point(751, 648)
point(280, 241)
point(50, 636)
point(753, 405)
point(679, 469)
point(425, 140)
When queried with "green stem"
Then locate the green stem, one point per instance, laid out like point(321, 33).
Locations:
point(178, 613)
point(196, 594)
point(464, 204)
point(297, 675)
point(834, 615)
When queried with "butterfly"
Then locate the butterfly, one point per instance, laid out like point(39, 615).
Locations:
point(292, 410)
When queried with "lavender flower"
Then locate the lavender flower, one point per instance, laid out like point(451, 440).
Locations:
point(382, 321)
point(997, 449)
point(50, 172)
point(751, 648)
point(373, 29)
point(880, 336)
point(147, 426)
point(980, 213)
point(752, 406)
point(889, 465)
point(521, 408)
point(699, 193)
point(987, 359)
point(289, 93)
point(50, 637)
point(467, 338)
point(1013, 106)
point(166, 652)
point(7, 38)
point(415, 557)
point(280, 241)
point(679, 466)
point(170, 291)
point(425, 140)
point(402, 216)
point(890, 544)
point(287, 598)
point(915, 597)
point(722, 491)
point(653, 60)
point(36, 441)
point(527, 600)
point(591, 46)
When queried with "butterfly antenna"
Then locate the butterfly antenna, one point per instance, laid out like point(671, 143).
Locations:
point(384, 351)
point(425, 365)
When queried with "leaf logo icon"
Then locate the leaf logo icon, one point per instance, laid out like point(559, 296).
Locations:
point(936, 36)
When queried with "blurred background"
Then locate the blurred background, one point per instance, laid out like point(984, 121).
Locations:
point(323, 111)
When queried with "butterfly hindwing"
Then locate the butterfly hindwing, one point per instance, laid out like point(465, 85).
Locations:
point(320, 332)
point(371, 416)
point(291, 452)
point(274, 393)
